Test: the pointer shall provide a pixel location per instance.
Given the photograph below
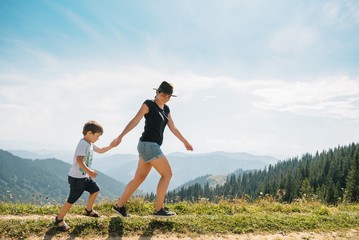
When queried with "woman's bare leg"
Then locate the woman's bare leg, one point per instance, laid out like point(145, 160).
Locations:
point(142, 171)
point(164, 169)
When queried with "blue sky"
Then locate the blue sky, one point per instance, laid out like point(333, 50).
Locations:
point(265, 77)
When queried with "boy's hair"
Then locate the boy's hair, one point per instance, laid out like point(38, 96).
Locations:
point(92, 126)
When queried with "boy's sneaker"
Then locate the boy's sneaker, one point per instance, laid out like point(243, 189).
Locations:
point(163, 212)
point(121, 211)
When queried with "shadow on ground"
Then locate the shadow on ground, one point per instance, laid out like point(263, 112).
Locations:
point(115, 229)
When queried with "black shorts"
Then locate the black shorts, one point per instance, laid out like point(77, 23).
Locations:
point(79, 185)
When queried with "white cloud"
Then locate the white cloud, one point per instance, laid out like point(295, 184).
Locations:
point(232, 64)
point(245, 142)
point(214, 113)
point(19, 122)
point(329, 97)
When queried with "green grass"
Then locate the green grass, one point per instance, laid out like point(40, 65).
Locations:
point(235, 217)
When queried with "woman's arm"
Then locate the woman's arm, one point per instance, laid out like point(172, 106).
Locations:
point(133, 123)
point(178, 134)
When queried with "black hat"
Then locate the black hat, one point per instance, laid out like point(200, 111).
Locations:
point(166, 87)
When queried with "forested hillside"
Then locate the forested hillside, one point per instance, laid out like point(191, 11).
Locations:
point(24, 180)
point(330, 176)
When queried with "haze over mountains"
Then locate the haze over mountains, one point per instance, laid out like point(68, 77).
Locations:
point(185, 167)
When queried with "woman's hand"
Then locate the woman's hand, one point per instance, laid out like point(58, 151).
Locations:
point(188, 146)
point(116, 142)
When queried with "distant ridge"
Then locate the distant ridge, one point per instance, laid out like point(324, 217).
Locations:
point(26, 180)
point(185, 166)
point(66, 156)
point(330, 176)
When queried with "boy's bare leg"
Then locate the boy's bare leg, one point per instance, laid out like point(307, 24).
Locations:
point(142, 171)
point(91, 201)
point(164, 169)
point(64, 210)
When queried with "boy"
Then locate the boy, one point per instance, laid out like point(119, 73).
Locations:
point(81, 175)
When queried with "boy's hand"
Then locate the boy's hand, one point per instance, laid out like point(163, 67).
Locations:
point(92, 173)
point(116, 141)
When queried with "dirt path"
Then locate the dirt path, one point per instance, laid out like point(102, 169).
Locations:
point(349, 235)
point(352, 234)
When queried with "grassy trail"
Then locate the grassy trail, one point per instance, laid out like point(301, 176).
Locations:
point(194, 220)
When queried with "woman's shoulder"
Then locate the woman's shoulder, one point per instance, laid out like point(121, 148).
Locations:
point(166, 108)
point(147, 101)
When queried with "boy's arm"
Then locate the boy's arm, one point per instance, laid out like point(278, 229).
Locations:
point(104, 149)
point(80, 162)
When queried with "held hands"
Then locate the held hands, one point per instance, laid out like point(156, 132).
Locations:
point(115, 142)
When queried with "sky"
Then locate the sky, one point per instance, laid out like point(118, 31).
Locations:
point(276, 78)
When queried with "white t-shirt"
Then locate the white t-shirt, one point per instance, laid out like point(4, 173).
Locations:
point(83, 149)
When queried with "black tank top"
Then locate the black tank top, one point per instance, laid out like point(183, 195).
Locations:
point(156, 121)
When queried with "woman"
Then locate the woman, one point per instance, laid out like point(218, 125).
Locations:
point(157, 115)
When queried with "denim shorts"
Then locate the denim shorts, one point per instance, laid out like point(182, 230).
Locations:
point(149, 151)
point(79, 185)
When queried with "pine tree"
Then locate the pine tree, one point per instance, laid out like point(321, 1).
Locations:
point(352, 186)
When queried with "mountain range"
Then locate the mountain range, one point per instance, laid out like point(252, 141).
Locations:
point(45, 181)
point(185, 166)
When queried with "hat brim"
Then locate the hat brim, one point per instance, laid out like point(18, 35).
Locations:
point(166, 93)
